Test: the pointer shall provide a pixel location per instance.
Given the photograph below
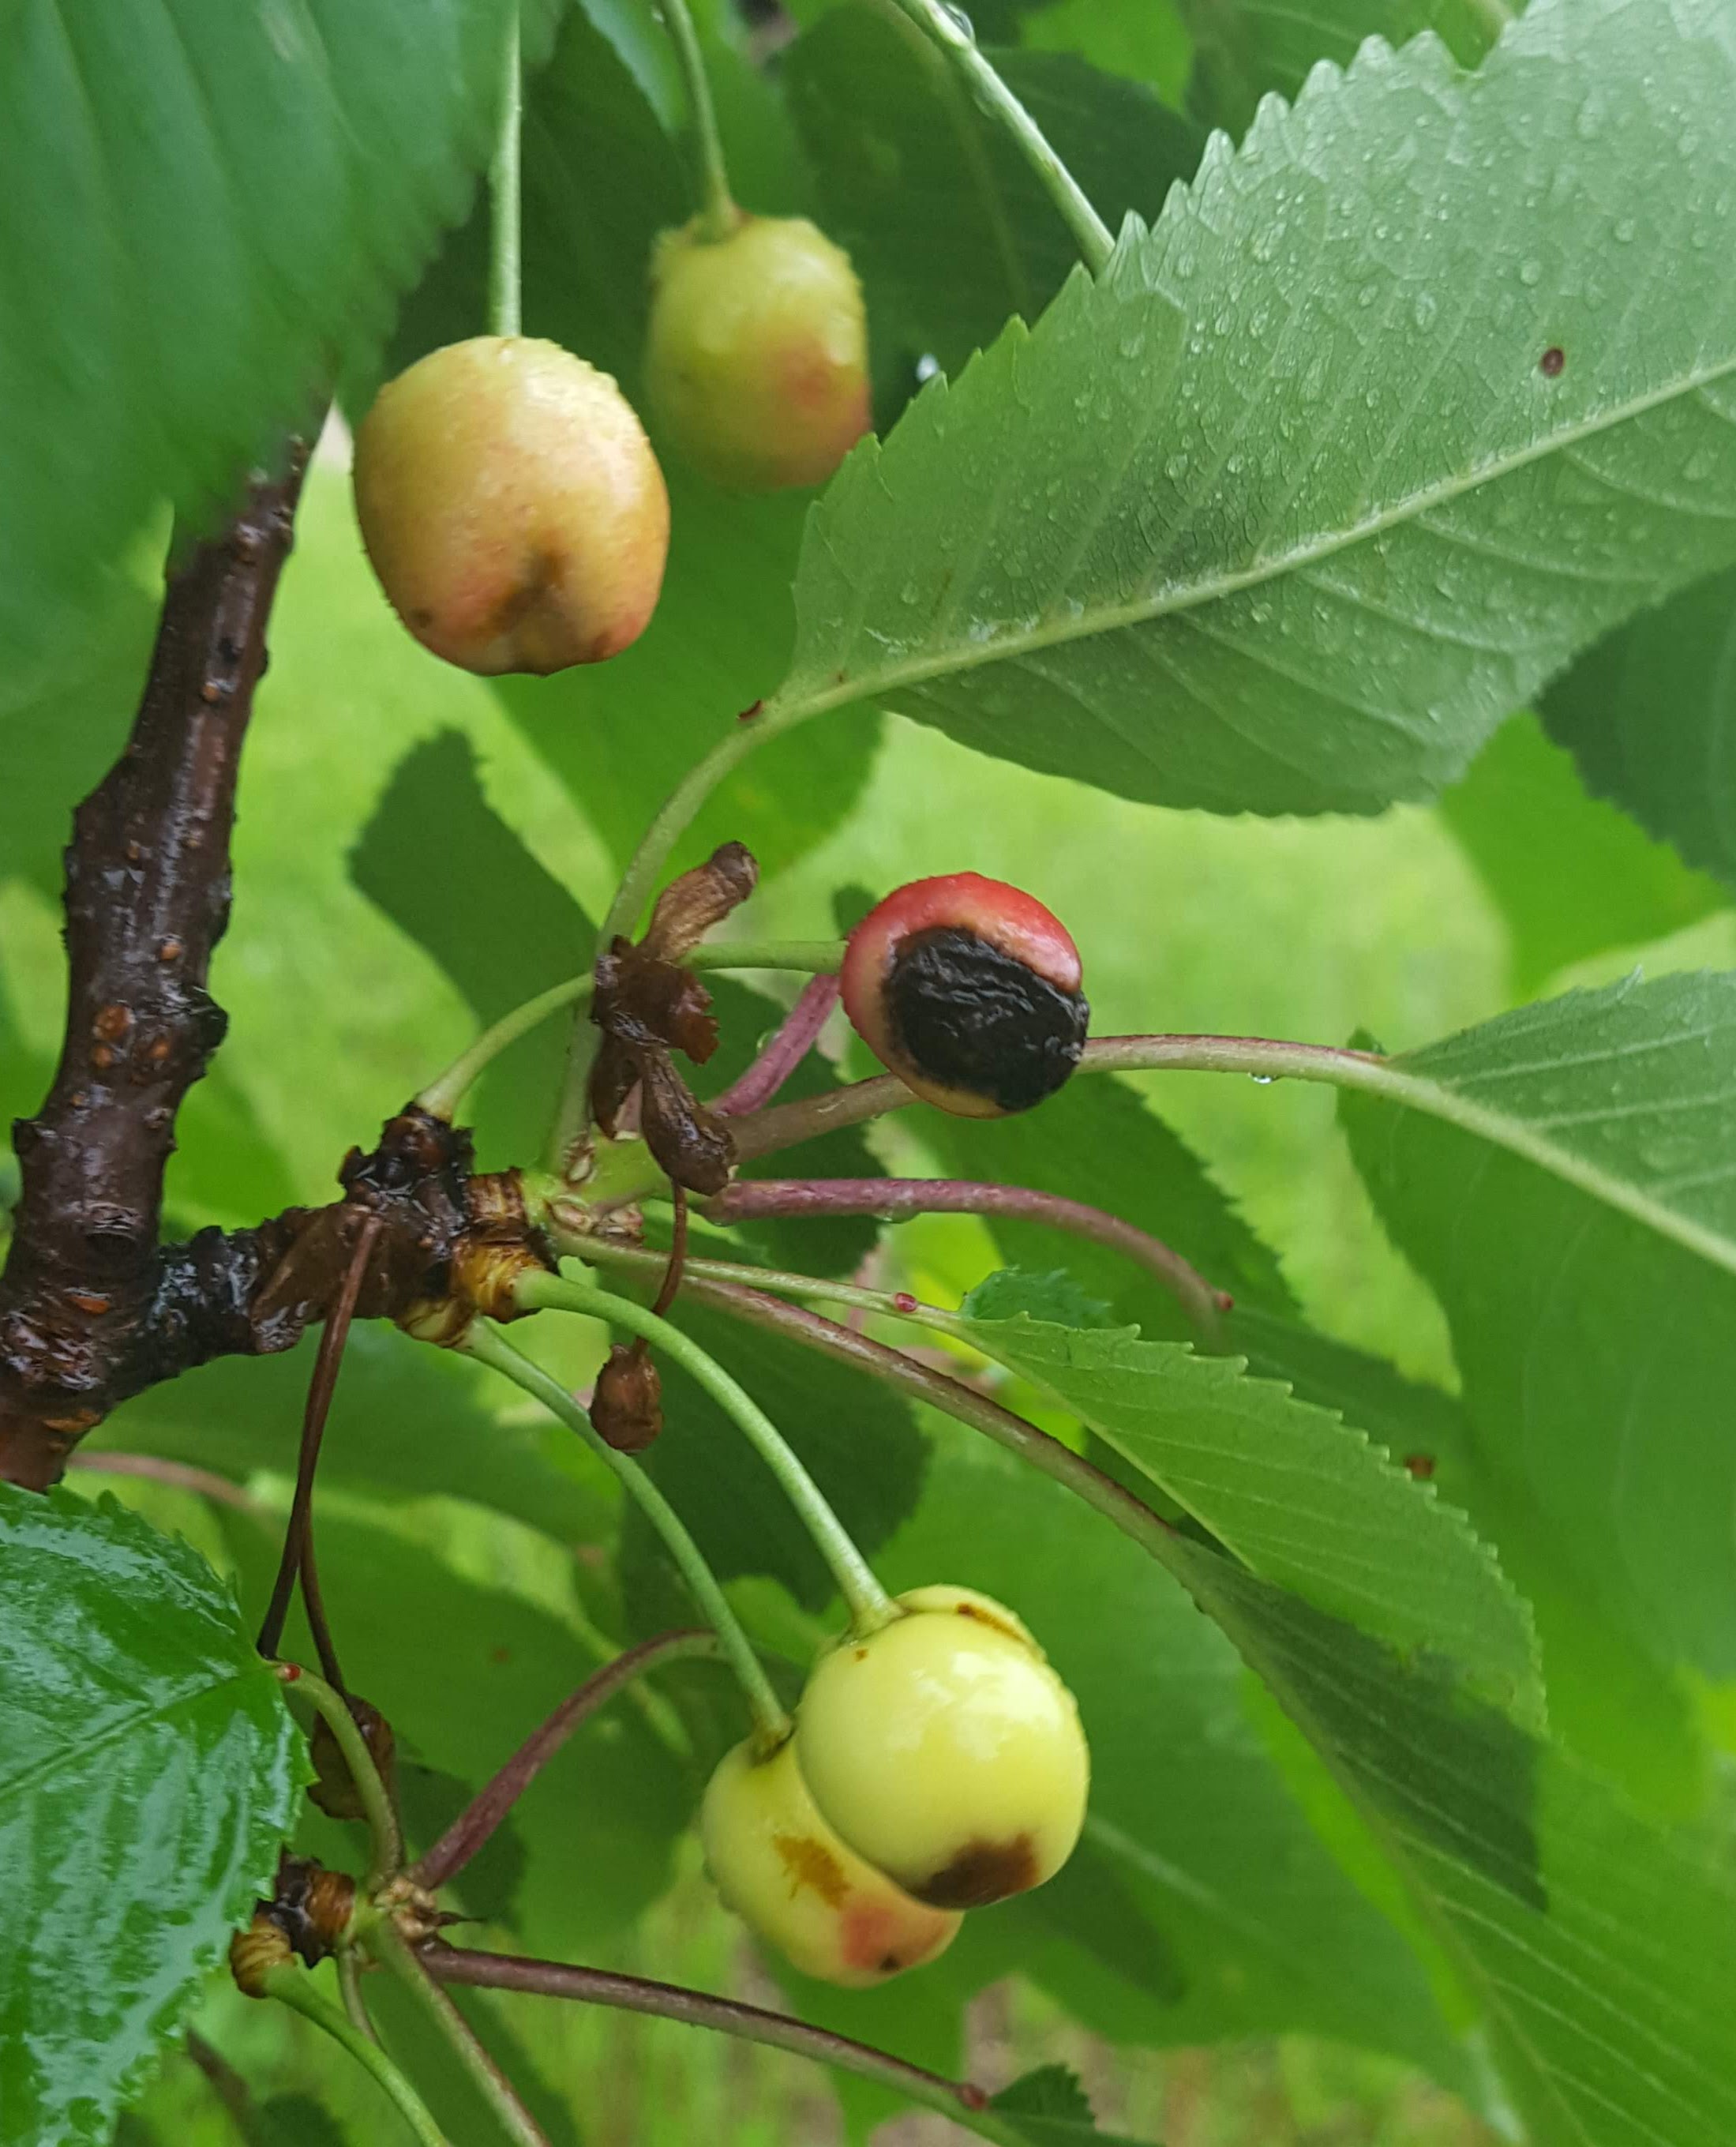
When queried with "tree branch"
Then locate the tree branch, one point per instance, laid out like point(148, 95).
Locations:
point(146, 900)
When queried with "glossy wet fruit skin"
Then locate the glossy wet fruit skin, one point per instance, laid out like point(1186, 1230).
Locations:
point(782, 1869)
point(946, 1752)
point(756, 358)
point(512, 507)
point(968, 989)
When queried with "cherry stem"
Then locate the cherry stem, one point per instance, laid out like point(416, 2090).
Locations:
point(958, 2100)
point(488, 1346)
point(442, 1097)
point(297, 1533)
point(477, 1821)
point(348, 1962)
point(720, 216)
point(506, 228)
point(788, 1047)
point(617, 1252)
point(893, 1199)
point(670, 1286)
point(955, 1397)
point(1091, 235)
point(313, 1601)
point(292, 1985)
point(1263, 1058)
point(869, 1605)
point(388, 1944)
point(382, 1824)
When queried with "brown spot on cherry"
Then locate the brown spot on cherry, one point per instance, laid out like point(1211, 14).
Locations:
point(983, 1872)
point(810, 1863)
point(1552, 362)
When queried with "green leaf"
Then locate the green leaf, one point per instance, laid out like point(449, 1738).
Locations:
point(855, 1439)
point(1147, 43)
point(1050, 2109)
point(1647, 714)
point(1604, 1945)
point(1578, 1223)
point(297, 2121)
point(148, 1771)
point(1572, 876)
point(1301, 1497)
point(1285, 511)
point(226, 1169)
point(601, 178)
point(1055, 1297)
point(1611, 1703)
point(1414, 1421)
point(1245, 49)
point(172, 305)
point(1054, 2092)
point(947, 225)
point(502, 928)
point(56, 742)
point(1099, 1142)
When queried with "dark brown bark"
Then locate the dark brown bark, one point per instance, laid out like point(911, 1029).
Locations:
point(87, 1306)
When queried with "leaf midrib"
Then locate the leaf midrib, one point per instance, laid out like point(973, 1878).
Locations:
point(785, 709)
point(1519, 1137)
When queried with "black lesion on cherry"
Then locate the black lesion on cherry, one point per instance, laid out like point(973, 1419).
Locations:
point(972, 1017)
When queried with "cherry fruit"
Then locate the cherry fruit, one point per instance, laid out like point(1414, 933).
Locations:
point(756, 360)
point(945, 1751)
point(511, 505)
point(782, 1871)
point(969, 990)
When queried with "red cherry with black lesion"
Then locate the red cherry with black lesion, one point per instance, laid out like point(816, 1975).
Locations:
point(967, 989)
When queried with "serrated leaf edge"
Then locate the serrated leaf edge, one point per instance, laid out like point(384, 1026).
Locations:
point(1529, 1707)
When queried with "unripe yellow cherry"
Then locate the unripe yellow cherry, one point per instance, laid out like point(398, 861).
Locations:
point(756, 360)
point(782, 1871)
point(511, 505)
point(944, 1750)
